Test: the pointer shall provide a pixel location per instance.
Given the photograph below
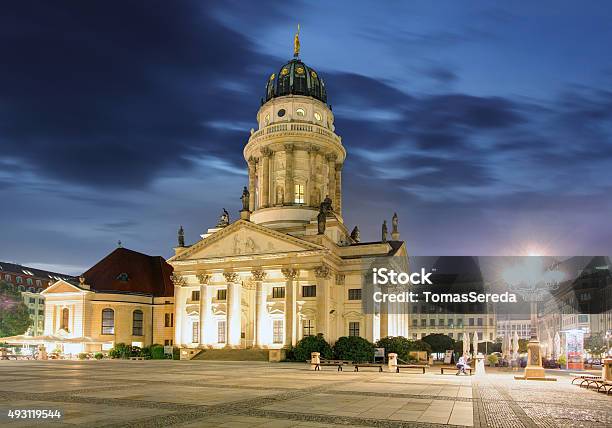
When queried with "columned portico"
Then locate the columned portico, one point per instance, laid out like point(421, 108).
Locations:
point(290, 306)
point(205, 314)
point(323, 275)
point(260, 305)
point(234, 298)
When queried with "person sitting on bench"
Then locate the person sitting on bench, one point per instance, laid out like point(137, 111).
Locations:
point(462, 365)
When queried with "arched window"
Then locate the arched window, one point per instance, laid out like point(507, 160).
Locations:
point(65, 318)
point(29, 281)
point(137, 323)
point(108, 321)
point(19, 280)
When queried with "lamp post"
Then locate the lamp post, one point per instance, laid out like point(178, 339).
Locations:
point(532, 282)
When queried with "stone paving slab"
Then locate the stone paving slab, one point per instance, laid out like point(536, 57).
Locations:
point(209, 393)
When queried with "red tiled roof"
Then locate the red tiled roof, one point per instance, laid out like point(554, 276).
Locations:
point(129, 271)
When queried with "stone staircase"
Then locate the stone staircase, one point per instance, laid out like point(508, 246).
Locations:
point(232, 355)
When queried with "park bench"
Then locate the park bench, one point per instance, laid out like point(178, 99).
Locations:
point(584, 379)
point(455, 369)
point(410, 366)
point(357, 365)
point(137, 358)
point(333, 363)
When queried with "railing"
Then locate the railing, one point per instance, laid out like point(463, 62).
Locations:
point(295, 127)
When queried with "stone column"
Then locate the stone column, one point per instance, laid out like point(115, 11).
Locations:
point(323, 274)
point(312, 168)
point(290, 305)
point(234, 298)
point(384, 314)
point(260, 305)
point(179, 308)
point(338, 192)
point(265, 177)
point(331, 180)
point(205, 303)
point(252, 174)
point(289, 190)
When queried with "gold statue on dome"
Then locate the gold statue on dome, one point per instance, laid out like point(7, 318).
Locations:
point(296, 43)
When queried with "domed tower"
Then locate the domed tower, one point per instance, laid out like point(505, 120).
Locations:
point(294, 158)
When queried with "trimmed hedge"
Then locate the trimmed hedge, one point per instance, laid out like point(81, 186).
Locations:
point(354, 348)
point(310, 344)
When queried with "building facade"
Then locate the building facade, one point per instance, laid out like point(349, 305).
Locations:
point(127, 297)
point(507, 327)
point(289, 267)
point(30, 282)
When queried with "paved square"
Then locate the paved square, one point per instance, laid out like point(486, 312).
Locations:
point(247, 394)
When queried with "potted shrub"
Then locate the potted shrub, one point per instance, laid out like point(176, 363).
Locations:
point(493, 360)
point(562, 361)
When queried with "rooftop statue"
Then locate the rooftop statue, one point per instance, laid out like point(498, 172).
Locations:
point(384, 231)
point(181, 237)
point(355, 234)
point(245, 199)
point(224, 219)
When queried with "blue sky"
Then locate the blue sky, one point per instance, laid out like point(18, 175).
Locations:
point(486, 127)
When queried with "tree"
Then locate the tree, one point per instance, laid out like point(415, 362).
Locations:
point(398, 345)
point(14, 315)
point(439, 342)
point(595, 345)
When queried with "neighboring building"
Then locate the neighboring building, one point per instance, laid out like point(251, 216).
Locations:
point(507, 327)
point(127, 297)
point(461, 274)
point(30, 282)
point(289, 267)
point(582, 303)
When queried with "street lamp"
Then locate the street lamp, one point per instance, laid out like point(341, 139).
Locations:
point(532, 281)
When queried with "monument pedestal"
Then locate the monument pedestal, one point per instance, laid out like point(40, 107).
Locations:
point(534, 369)
point(245, 215)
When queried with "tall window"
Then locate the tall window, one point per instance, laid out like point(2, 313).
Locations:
point(299, 194)
point(221, 331)
point(354, 328)
point(19, 280)
point(222, 294)
point(29, 281)
point(137, 323)
point(65, 318)
point(277, 331)
point(309, 291)
point(169, 319)
point(195, 296)
point(354, 294)
point(7, 278)
point(195, 332)
point(278, 292)
point(108, 321)
point(307, 328)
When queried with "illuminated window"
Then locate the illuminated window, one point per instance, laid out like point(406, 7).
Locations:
point(300, 112)
point(195, 332)
point(108, 321)
point(65, 318)
point(299, 194)
point(307, 328)
point(137, 322)
point(169, 319)
point(277, 331)
point(354, 329)
point(267, 119)
point(221, 331)
point(317, 116)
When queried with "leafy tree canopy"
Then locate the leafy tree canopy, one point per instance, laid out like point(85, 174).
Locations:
point(439, 342)
point(14, 316)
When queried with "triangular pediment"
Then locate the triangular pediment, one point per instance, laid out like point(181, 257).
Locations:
point(244, 238)
point(62, 287)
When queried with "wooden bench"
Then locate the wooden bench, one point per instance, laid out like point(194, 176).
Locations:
point(584, 379)
point(410, 366)
point(333, 363)
point(455, 369)
point(137, 358)
point(357, 365)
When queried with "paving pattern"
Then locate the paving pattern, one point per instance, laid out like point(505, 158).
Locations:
point(247, 394)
